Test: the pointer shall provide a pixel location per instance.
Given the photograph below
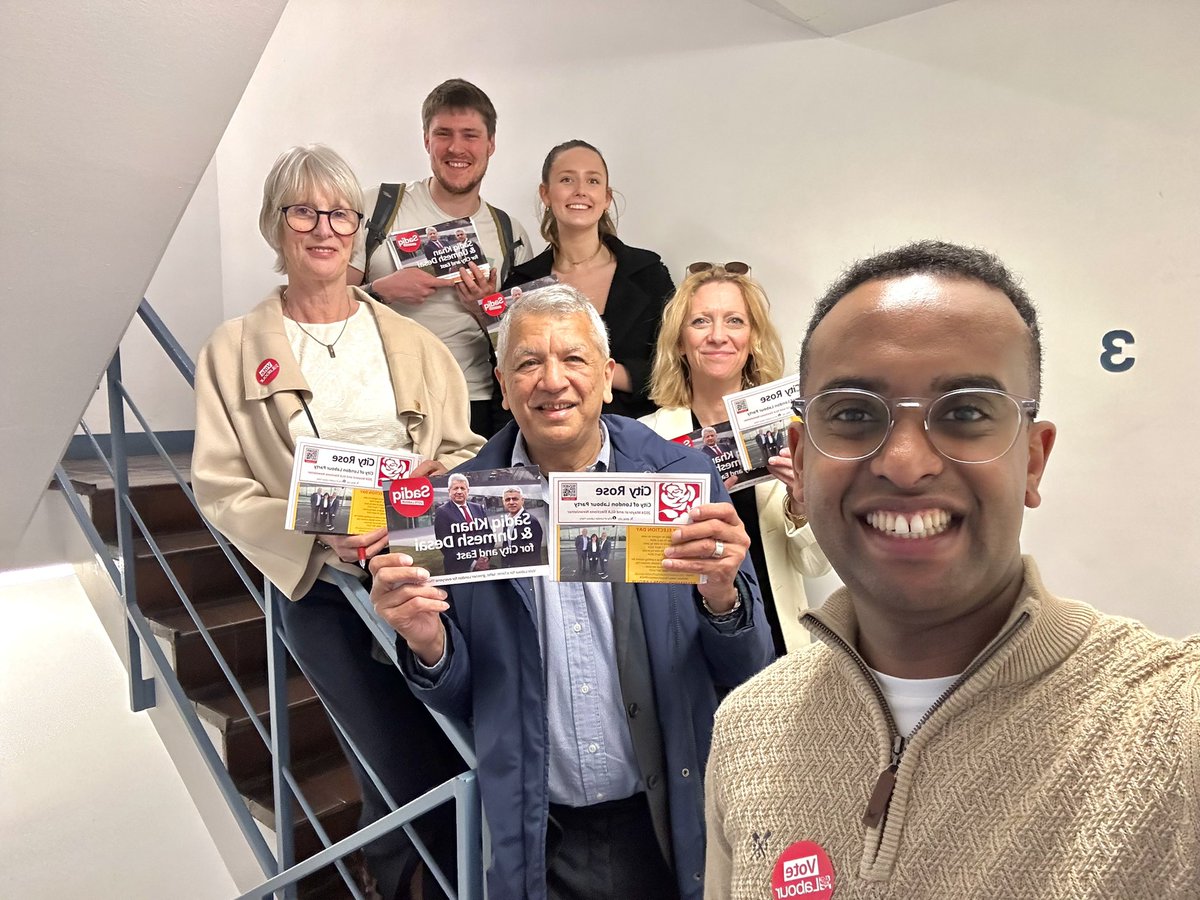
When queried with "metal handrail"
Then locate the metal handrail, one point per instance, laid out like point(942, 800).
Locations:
point(462, 790)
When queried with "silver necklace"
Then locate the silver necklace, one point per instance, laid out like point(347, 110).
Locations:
point(328, 347)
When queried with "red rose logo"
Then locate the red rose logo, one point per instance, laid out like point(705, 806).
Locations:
point(675, 499)
point(494, 305)
point(408, 242)
point(393, 467)
point(410, 496)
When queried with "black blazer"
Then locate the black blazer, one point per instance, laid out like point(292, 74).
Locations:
point(641, 287)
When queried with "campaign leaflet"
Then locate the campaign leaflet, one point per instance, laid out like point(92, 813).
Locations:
point(614, 526)
point(337, 488)
point(496, 305)
point(440, 249)
point(718, 442)
point(760, 418)
point(471, 526)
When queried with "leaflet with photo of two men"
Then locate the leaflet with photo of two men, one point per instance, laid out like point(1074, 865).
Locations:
point(759, 419)
point(440, 249)
point(337, 487)
point(498, 526)
point(494, 306)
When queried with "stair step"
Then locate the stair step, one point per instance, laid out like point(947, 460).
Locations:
point(236, 626)
point(246, 755)
point(327, 784)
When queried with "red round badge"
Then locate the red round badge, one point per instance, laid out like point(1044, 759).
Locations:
point(410, 496)
point(802, 870)
point(409, 242)
point(494, 305)
point(266, 372)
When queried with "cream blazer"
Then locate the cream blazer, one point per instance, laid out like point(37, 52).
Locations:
point(791, 552)
point(242, 461)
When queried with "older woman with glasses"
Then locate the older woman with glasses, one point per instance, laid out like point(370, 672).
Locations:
point(319, 358)
point(627, 285)
point(717, 338)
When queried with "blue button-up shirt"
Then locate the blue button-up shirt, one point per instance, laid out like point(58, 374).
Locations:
point(591, 750)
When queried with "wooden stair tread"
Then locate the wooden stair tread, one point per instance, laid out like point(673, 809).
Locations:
point(222, 613)
point(174, 542)
point(328, 785)
point(220, 706)
point(89, 476)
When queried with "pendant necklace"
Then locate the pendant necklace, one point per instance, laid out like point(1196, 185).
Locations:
point(329, 347)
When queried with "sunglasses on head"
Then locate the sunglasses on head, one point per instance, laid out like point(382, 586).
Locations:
point(733, 268)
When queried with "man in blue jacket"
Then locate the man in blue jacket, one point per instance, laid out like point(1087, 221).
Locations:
point(592, 703)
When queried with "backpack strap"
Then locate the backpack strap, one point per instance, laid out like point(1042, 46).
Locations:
point(508, 246)
point(386, 207)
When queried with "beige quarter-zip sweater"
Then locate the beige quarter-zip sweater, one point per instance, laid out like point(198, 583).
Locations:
point(1065, 764)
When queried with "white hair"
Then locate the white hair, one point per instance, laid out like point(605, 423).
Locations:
point(295, 176)
point(559, 300)
point(458, 476)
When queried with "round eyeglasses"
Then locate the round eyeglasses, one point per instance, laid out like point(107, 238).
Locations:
point(304, 219)
point(971, 425)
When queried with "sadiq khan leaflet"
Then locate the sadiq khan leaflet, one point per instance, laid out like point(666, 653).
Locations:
point(494, 306)
point(760, 418)
point(718, 442)
point(614, 526)
point(440, 249)
point(471, 526)
point(337, 488)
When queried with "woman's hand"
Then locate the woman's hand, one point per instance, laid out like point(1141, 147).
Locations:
point(404, 598)
point(711, 528)
point(346, 545)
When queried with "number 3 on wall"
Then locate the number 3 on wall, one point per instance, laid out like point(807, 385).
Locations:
point(1116, 356)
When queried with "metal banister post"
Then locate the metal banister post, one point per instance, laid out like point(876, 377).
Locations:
point(281, 749)
point(141, 689)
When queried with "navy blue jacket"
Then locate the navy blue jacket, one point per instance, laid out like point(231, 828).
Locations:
point(494, 678)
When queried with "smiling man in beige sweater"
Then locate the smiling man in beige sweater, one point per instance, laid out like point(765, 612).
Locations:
point(957, 731)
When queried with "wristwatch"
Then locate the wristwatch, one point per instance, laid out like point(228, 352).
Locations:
point(729, 613)
point(369, 290)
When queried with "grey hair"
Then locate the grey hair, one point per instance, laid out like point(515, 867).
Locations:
point(707, 429)
point(458, 476)
point(295, 176)
point(558, 300)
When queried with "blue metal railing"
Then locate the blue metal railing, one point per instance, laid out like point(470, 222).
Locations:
point(280, 866)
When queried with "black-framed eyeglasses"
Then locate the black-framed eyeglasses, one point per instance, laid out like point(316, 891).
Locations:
point(969, 425)
point(733, 267)
point(303, 219)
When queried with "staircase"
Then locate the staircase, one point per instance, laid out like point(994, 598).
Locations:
point(237, 626)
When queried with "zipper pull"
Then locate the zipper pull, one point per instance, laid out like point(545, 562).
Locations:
point(881, 796)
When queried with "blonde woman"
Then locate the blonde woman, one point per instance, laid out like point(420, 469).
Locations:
point(717, 338)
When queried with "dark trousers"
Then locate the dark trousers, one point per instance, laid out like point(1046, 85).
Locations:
point(391, 728)
point(606, 852)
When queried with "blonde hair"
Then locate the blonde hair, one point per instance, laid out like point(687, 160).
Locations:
point(549, 225)
point(671, 380)
point(297, 174)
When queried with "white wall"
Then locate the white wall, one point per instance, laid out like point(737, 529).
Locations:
point(1060, 133)
point(111, 111)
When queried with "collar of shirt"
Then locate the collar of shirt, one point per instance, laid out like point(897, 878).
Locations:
point(603, 462)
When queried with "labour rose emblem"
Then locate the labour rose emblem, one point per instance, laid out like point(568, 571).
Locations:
point(676, 498)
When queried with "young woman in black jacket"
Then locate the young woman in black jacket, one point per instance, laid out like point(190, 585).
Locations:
point(628, 286)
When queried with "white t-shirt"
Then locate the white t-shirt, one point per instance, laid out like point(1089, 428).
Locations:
point(909, 698)
point(353, 399)
point(442, 312)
